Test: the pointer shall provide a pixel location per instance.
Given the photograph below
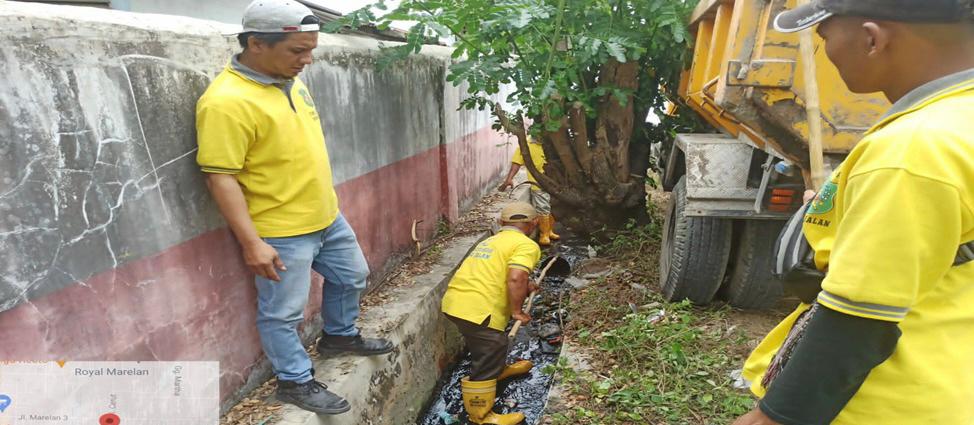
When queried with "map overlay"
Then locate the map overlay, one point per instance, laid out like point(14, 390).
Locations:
point(109, 393)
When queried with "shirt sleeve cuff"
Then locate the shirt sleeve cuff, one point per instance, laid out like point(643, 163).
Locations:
point(519, 267)
point(218, 170)
point(861, 309)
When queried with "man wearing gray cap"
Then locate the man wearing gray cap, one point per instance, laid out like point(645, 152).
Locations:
point(890, 337)
point(263, 152)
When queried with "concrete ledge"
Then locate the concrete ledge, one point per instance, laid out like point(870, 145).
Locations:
point(393, 389)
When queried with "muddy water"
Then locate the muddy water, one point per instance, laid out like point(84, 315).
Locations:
point(527, 394)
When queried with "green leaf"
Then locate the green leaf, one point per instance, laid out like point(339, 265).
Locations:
point(333, 26)
point(621, 96)
point(617, 51)
point(552, 126)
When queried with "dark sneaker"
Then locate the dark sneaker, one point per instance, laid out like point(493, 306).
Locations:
point(329, 344)
point(312, 396)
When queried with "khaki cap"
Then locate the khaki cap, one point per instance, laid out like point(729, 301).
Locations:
point(518, 212)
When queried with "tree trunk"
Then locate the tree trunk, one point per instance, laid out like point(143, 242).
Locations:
point(589, 170)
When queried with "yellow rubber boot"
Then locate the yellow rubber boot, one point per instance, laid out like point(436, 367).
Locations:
point(544, 234)
point(478, 399)
point(552, 235)
point(517, 368)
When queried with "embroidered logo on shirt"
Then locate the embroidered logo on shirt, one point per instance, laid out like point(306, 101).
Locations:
point(307, 97)
point(483, 251)
point(825, 200)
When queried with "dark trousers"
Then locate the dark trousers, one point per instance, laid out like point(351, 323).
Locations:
point(488, 348)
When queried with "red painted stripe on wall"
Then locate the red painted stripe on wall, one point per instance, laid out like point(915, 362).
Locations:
point(381, 205)
point(475, 162)
point(194, 301)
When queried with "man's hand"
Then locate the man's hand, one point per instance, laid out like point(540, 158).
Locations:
point(522, 316)
point(263, 260)
point(755, 417)
point(809, 195)
point(504, 186)
point(518, 290)
point(533, 287)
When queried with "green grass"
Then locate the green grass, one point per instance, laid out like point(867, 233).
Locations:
point(668, 364)
point(632, 240)
point(443, 228)
point(665, 364)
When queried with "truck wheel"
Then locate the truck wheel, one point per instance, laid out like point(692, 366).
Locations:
point(751, 284)
point(695, 251)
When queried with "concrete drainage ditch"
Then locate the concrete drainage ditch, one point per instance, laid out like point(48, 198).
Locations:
point(419, 382)
point(539, 341)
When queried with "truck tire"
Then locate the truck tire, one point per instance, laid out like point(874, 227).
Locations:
point(695, 252)
point(751, 284)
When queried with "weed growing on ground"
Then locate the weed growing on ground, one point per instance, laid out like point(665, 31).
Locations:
point(667, 363)
point(657, 362)
point(632, 240)
point(443, 228)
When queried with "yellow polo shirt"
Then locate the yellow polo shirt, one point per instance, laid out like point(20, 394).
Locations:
point(887, 227)
point(275, 150)
point(479, 287)
point(537, 156)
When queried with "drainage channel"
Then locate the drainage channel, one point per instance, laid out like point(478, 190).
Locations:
point(539, 341)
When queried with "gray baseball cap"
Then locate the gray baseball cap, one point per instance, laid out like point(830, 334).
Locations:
point(277, 16)
point(816, 11)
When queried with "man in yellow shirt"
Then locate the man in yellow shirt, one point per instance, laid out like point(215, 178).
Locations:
point(539, 198)
point(263, 152)
point(890, 337)
point(489, 288)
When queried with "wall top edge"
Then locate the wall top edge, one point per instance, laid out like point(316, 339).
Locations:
point(38, 20)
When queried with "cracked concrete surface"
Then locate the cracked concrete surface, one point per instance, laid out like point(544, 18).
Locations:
point(99, 166)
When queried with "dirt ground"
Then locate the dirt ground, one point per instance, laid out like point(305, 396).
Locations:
point(757, 324)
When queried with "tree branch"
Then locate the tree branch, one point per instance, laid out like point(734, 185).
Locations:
point(580, 129)
point(560, 141)
point(460, 36)
point(547, 183)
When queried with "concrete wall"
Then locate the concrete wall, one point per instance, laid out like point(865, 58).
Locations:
point(110, 246)
point(227, 11)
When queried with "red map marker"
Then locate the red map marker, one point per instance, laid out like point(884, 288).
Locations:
point(109, 419)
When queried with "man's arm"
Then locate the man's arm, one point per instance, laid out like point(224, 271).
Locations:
point(874, 278)
point(517, 291)
point(509, 181)
point(258, 255)
point(831, 362)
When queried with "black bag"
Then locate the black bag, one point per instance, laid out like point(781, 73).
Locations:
point(794, 260)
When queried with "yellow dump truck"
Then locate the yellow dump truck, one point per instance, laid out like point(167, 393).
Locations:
point(731, 191)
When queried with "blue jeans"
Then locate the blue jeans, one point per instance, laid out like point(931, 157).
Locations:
point(334, 253)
